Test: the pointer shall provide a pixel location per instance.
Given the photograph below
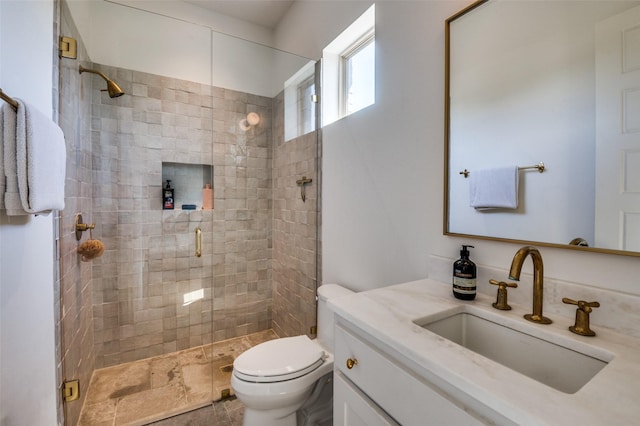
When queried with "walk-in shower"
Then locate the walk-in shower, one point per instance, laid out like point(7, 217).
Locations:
point(189, 117)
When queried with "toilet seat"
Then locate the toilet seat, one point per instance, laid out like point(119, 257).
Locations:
point(279, 360)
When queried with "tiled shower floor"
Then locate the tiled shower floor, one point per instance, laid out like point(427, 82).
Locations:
point(141, 392)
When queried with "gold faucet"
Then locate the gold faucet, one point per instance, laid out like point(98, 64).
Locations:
point(538, 277)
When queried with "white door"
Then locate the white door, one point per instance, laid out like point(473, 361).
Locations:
point(618, 132)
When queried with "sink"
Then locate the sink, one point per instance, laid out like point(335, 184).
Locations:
point(550, 363)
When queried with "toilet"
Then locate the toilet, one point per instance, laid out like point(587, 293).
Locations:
point(288, 381)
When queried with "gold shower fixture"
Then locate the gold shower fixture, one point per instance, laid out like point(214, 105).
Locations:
point(113, 89)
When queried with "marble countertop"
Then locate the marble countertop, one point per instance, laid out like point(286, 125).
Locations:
point(386, 317)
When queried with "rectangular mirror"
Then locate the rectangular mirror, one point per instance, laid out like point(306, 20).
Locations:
point(556, 82)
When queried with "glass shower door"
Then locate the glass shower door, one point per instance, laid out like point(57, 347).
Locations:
point(135, 321)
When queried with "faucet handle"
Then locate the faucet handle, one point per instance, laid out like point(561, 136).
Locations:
point(501, 297)
point(581, 325)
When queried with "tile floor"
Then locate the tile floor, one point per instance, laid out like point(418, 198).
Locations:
point(228, 412)
point(145, 391)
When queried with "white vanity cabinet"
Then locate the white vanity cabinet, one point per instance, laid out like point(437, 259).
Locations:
point(351, 407)
point(378, 390)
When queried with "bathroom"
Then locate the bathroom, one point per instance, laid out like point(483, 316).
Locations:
point(382, 182)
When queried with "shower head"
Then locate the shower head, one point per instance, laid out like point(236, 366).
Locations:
point(113, 89)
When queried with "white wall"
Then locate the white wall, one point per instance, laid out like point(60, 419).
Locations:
point(184, 46)
point(383, 167)
point(27, 353)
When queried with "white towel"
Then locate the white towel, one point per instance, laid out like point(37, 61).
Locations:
point(40, 161)
point(494, 188)
point(11, 194)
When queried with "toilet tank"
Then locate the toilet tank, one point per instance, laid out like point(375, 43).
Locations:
point(325, 315)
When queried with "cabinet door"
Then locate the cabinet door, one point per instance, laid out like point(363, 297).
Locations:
point(395, 389)
point(351, 407)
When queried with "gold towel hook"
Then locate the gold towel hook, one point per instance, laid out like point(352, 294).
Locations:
point(81, 227)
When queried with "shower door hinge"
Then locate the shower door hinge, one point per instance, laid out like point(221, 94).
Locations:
point(314, 98)
point(71, 390)
point(68, 47)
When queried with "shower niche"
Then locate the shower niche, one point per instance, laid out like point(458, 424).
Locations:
point(188, 182)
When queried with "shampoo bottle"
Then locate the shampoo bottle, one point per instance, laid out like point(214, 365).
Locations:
point(464, 276)
point(168, 202)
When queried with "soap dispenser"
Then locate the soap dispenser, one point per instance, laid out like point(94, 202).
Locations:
point(464, 276)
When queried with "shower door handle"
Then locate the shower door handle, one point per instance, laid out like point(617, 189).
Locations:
point(198, 242)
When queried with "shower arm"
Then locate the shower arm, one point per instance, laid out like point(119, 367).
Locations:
point(83, 69)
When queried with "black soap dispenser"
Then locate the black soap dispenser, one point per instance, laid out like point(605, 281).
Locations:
point(464, 276)
point(168, 202)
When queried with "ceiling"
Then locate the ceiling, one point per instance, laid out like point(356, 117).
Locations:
point(266, 13)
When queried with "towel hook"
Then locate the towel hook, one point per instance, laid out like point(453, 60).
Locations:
point(81, 227)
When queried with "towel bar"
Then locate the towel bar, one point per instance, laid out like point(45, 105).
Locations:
point(8, 99)
point(539, 166)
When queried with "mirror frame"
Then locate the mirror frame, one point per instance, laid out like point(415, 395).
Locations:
point(447, 123)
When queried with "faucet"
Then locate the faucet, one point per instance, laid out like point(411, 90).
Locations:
point(538, 277)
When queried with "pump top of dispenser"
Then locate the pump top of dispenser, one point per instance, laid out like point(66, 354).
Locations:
point(464, 253)
point(168, 184)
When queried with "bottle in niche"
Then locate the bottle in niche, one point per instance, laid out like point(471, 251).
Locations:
point(464, 276)
point(168, 202)
point(207, 197)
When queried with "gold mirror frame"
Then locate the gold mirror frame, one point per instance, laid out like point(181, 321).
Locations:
point(447, 123)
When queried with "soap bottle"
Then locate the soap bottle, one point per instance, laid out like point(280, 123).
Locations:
point(207, 197)
point(168, 202)
point(464, 276)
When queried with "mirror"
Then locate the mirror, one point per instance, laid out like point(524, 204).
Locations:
point(552, 82)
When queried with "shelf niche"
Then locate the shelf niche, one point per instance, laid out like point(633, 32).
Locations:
point(187, 181)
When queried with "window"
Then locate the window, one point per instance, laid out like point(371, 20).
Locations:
point(306, 105)
point(348, 64)
point(299, 102)
point(358, 75)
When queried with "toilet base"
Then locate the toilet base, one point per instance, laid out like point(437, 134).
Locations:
point(268, 418)
point(314, 408)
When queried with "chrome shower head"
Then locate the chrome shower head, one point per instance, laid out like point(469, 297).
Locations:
point(113, 89)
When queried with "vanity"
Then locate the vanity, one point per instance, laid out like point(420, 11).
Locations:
point(517, 92)
point(412, 354)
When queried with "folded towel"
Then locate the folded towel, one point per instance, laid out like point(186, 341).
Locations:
point(40, 161)
point(11, 194)
point(494, 188)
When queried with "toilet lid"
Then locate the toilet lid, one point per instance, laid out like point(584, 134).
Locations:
point(278, 360)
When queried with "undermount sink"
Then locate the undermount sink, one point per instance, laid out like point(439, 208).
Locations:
point(550, 363)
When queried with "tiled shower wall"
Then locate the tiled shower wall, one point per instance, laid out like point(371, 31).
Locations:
point(77, 353)
point(295, 230)
point(149, 264)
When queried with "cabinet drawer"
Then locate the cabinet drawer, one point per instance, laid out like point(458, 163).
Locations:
point(408, 400)
point(351, 407)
